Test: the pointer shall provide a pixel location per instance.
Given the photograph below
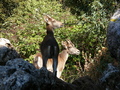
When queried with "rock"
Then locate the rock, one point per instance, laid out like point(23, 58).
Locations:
point(111, 78)
point(7, 53)
point(85, 83)
point(18, 74)
point(113, 35)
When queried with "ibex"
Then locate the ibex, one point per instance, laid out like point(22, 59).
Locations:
point(113, 35)
point(49, 46)
point(69, 48)
point(5, 42)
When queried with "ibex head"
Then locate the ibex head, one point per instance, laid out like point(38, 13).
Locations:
point(69, 46)
point(52, 22)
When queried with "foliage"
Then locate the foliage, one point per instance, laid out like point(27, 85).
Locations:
point(85, 24)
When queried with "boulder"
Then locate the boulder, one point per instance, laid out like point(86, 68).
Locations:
point(7, 51)
point(113, 35)
point(18, 74)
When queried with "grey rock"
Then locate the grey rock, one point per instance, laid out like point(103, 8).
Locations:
point(113, 35)
point(7, 53)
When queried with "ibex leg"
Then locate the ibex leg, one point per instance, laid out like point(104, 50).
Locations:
point(46, 56)
point(55, 61)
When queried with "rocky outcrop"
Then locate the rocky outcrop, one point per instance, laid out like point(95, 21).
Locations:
point(18, 74)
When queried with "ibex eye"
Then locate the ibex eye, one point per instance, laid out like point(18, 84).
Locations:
point(69, 47)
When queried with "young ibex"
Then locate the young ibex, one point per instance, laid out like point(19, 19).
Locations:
point(49, 46)
point(69, 48)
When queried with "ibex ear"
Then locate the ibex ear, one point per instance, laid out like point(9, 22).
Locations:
point(64, 44)
point(69, 42)
point(9, 45)
point(47, 18)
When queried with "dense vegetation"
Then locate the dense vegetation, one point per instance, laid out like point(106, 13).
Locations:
point(86, 21)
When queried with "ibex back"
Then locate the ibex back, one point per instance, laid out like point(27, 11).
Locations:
point(49, 46)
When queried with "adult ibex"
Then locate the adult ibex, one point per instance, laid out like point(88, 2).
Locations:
point(69, 48)
point(49, 46)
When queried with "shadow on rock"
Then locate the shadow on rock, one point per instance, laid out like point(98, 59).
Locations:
point(111, 78)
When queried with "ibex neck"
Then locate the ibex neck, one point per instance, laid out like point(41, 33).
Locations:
point(64, 55)
point(49, 30)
